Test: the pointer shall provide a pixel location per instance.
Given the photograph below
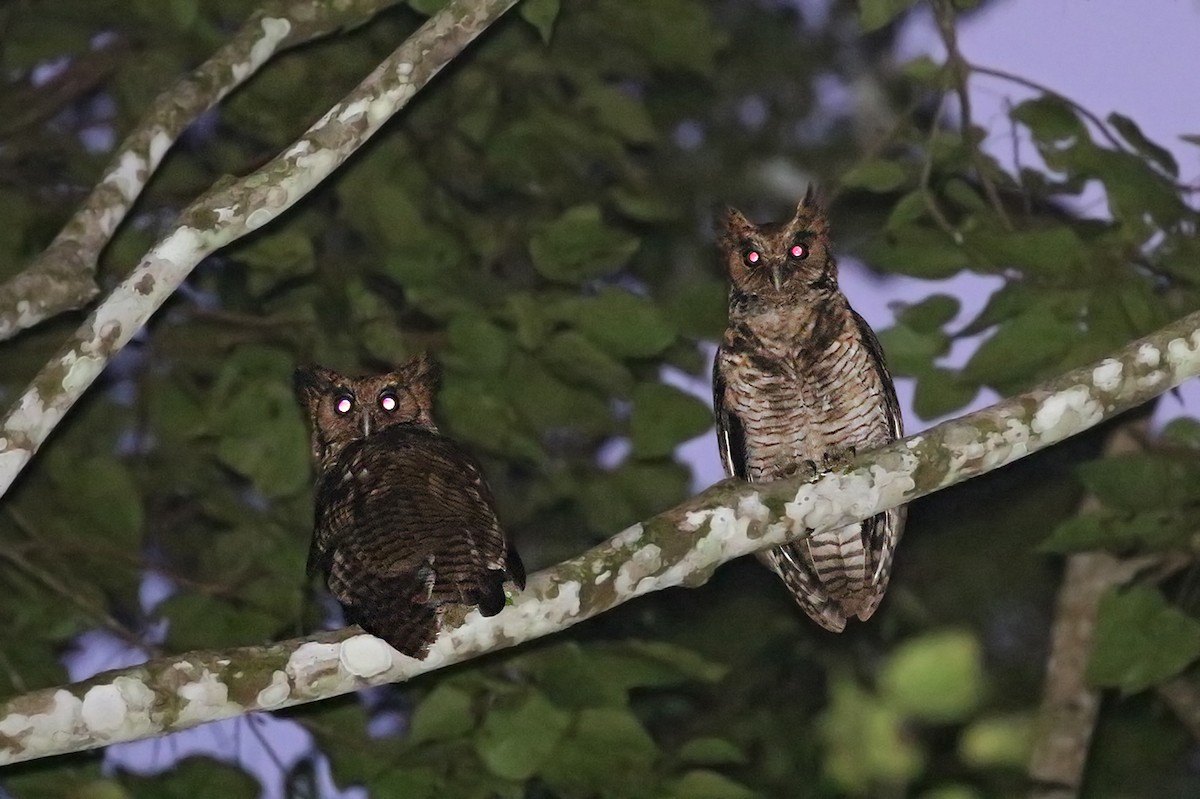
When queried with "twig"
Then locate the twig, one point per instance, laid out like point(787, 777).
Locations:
point(960, 72)
point(62, 277)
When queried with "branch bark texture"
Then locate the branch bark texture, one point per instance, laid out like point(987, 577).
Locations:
point(62, 278)
point(682, 546)
point(229, 211)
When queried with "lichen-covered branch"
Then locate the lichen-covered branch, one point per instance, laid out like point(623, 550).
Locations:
point(62, 278)
point(682, 546)
point(230, 210)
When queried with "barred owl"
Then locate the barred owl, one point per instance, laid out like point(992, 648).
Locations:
point(799, 377)
point(405, 522)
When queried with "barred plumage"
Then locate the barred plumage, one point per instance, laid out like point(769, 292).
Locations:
point(405, 522)
point(799, 376)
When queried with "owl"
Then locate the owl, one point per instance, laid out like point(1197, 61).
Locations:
point(406, 526)
point(800, 378)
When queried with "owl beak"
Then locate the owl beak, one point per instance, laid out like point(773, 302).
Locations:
point(366, 423)
point(777, 276)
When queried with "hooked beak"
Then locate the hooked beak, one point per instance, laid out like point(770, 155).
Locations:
point(365, 421)
point(777, 276)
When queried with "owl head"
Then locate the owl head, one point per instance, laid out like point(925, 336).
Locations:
point(783, 260)
point(343, 409)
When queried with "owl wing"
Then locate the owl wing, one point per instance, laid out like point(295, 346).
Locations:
point(406, 526)
point(731, 435)
point(882, 532)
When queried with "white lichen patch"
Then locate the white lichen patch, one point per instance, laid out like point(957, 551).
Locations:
point(1148, 355)
point(275, 30)
point(128, 176)
point(1184, 355)
point(694, 520)
point(353, 110)
point(160, 143)
point(205, 699)
point(602, 577)
point(275, 693)
point(404, 69)
point(313, 664)
point(643, 563)
point(1107, 376)
point(365, 656)
point(1066, 413)
point(259, 217)
point(628, 537)
point(531, 616)
point(43, 731)
point(104, 709)
point(752, 508)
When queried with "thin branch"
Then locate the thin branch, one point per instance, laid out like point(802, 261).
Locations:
point(960, 71)
point(682, 546)
point(1100, 124)
point(1070, 707)
point(62, 278)
point(232, 209)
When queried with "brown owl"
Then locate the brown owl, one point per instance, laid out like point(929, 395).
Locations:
point(799, 377)
point(405, 522)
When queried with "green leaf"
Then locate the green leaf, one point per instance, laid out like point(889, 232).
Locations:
point(1053, 122)
point(1131, 133)
point(930, 314)
point(607, 748)
point(1152, 529)
point(443, 715)
point(874, 14)
point(541, 14)
point(917, 252)
point(879, 176)
point(577, 360)
point(622, 324)
point(204, 622)
point(1183, 431)
point(285, 253)
point(579, 246)
point(998, 742)
point(1017, 351)
point(937, 677)
point(940, 392)
point(1141, 640)
point(699, 308)
point(711, 752)
point(548, 405)
point(517, 738)
point(619, 112)
point(1050, 251)
point(1142, 482)
point(703, 784)
point(100, 494)
point(263, 436)
point(193, 777)
point(664, 417)
point(477, 345)
point(910, 352)
point(866, 742)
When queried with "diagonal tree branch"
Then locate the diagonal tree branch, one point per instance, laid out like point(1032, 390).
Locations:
point(230, 210)
point(682, 546)
point(62, 278)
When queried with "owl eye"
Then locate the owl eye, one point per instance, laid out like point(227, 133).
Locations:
point(751, 257)
point(798, 251)
point(344, 404)
point(388, 401)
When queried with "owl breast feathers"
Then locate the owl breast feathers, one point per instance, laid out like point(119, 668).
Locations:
point(405, 523)
point(799, 377)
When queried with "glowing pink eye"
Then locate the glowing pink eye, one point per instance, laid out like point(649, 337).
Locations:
point(344, 404)
point(751, 257)
point(388, 402)
point(798, 251)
